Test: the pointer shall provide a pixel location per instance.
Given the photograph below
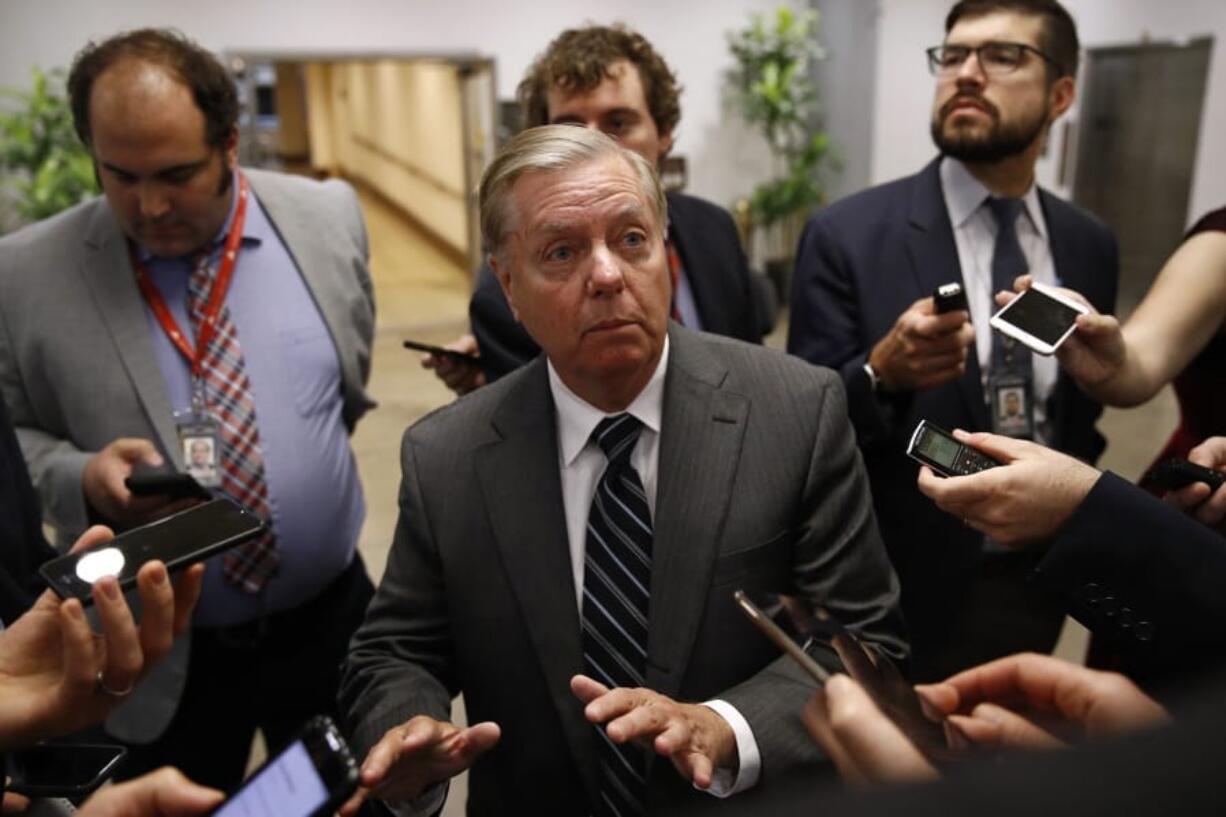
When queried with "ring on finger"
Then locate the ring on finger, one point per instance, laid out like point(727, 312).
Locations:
point(101, 687)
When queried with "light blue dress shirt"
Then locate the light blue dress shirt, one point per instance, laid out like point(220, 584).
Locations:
point(313, 488)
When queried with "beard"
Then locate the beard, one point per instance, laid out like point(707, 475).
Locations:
point(1001, 141)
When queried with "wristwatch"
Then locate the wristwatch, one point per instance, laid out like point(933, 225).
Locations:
point(873, 382)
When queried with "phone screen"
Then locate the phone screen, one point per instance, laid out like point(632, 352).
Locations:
point(178, 540)
point(938, 448)
point(62, 769)
point(1040, 315)
point(289, 786)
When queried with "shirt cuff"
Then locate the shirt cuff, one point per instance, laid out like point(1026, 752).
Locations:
point(428, 802)
point(726, 782)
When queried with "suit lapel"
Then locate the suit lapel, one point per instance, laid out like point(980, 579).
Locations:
point(107, 271)
point(702, 431)
point(317, 262)
point(520, 483)
point(934, 261)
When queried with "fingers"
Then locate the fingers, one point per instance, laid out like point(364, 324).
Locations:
point(816, 717)
point(187, 592)
point(350, 807)
point(164, 793)
point(157, 620)
point(136, 449)
point(77, 642)
point(992, 725)
point(587, 689)
point(999, 447)
point(418, 734)
point(124, 658)
point(96, 535)
point(868, 739)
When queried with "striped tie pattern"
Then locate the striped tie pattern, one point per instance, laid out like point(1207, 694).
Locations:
point(616, 583)
point(227, 394)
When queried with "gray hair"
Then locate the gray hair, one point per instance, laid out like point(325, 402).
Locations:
point(553, 147)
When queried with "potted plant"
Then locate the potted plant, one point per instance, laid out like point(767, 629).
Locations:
point(776, 96)
point(44, 168)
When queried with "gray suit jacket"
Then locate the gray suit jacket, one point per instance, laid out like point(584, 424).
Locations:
point(760, 484)
point(78, 368)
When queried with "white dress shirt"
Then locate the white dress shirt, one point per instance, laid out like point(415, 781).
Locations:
point(975, 236)
point(581, 464)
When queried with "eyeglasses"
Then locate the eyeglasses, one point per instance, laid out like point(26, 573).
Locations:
point(996, 59)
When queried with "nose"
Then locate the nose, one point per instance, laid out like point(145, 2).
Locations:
point(605, 276)
point(154, 203)
point(971, 70)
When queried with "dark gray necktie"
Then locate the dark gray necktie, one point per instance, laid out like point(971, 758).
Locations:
point(1008, 262)
point(616, 587)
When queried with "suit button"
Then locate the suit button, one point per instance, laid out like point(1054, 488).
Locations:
point(1092, 592)
point(1126, 619)
point(1144, 631)
point(1109, 606)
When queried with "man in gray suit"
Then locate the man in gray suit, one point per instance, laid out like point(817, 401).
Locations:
point(198, 302)
point(570, 537)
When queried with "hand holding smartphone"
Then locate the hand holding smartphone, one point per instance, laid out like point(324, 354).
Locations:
point(1041, 318)
point(935, 447)
point(178, 540)
point(441, 351)
point(313, 775)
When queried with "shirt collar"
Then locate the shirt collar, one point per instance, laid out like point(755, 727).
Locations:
point(964, 195)
point(577, 418)
point(252, 224)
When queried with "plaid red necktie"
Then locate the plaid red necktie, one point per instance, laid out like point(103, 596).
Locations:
point(227, 396)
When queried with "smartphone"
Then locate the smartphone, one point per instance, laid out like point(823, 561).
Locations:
point(313, 775)
point(827, 644)
point(170, 484)
point(179, 540)
point(939, 450)
point(948, 298)
point(71, 770)
point(439, 351)
point(1040, 318)
point(782, 640)
point(1175, 474)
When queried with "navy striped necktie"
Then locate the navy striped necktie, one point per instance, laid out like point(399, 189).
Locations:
point(616, 589)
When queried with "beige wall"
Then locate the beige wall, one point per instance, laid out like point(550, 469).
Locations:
point(395, 125)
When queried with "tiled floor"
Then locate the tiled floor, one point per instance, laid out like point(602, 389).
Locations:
point(422, 294)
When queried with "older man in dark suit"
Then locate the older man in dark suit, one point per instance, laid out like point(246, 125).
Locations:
point(570, 536)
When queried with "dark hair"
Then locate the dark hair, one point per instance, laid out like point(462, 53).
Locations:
point(211, 85)
point(1057, 37)
point(579, 59)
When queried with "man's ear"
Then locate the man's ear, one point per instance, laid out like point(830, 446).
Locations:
point(503, 274)
point(230, 149)
point(1062, 94)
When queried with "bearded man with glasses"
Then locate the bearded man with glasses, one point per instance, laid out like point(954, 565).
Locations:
point(865, 270)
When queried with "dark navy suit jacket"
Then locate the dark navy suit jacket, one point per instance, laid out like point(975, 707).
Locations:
point(861, 263)
point(22, 545)
point(710, 250)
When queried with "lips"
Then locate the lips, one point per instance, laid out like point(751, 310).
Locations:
point(961, 103)
point(610, 324)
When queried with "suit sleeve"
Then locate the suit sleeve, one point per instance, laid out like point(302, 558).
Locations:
point(840, 564)
point(1143, 576)
point(400, 660)
point(826, 328)
point(55, 464)
point(505, 345)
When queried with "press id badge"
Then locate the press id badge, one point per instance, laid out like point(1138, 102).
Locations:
point(1012, 406)
point(200, 442)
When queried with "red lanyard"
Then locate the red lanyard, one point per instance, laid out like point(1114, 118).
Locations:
point(217, 295)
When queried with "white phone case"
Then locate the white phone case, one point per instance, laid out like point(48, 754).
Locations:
point(1001, 323)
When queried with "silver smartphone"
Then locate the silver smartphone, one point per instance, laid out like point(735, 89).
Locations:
point(1041, 318)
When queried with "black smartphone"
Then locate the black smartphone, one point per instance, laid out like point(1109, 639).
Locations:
point(179, 540)
point(949, 297)
point(313, 775)
point(170, 484)
point(71, 770)
point(814, 638)
point(439, 351)
point(938, 449)
point(1175, 474)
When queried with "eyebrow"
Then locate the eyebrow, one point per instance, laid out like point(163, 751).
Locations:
point(166, 171)
point(565, 118)
point(631, 212)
